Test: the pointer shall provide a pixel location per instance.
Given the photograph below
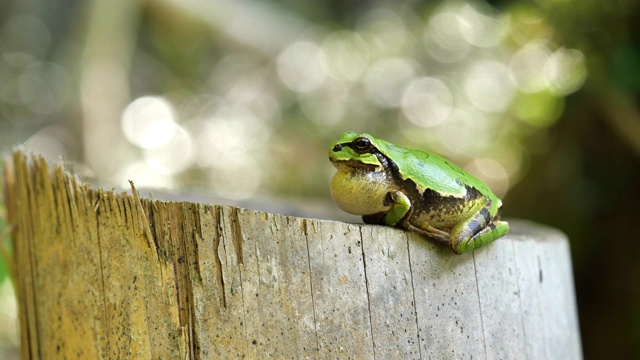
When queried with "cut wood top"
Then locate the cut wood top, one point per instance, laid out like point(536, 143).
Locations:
point(102, 274)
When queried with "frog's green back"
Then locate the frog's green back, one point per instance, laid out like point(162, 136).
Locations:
point(429, 170)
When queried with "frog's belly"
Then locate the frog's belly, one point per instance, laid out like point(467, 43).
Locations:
point(425, 220)
point(361, 193)
point(444, 218)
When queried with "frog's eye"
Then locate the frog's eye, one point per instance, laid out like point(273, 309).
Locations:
point(361, 145)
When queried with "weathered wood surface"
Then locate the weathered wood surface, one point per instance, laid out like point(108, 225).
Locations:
point(106, 275)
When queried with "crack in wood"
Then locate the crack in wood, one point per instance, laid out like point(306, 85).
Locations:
point(217, 240)
point(366, 284)
point(236, 234)
point(413, 295)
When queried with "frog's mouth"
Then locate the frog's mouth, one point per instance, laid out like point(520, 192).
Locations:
point(339, 163)
point(347, 164)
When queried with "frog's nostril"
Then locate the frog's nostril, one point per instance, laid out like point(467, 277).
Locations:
point(337, 148)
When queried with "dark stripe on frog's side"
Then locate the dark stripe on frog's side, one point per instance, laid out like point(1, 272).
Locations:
point(473, 227)
point(486, 215)
point(434, 202)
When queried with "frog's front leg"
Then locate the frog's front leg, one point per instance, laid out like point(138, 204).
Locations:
point(477, 231)
point(400, 209)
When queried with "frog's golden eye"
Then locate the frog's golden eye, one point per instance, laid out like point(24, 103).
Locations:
point(361, 145)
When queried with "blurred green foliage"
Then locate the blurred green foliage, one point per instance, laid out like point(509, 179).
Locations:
point(8, 308)
point(538, 98)
point(4, 243)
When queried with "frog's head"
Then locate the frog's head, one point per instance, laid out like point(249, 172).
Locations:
point(354, 150)
point(360, 186)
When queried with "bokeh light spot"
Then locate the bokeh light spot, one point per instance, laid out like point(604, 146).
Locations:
point(50, 142)
point(238, 181)
point(346, 55)
point(528, 67)
point(228, 134)
point(487, 86)
point(149, 122)
point(492, 172)
point(44, 87)
point(145, 175)
point(24, 34)
point(483, 29)
point(566, 71)
point(300, 66)
point(540, 109)
point(444, 33)
point(174, 156)
point(384, 30)
point(427, 102)
point(327, 105)
point(386, 80)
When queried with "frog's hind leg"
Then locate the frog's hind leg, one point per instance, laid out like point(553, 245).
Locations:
point(437, 235)
point(478, 231)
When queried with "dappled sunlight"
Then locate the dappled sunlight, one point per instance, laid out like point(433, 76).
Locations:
point(241, 100)
point(459, 78)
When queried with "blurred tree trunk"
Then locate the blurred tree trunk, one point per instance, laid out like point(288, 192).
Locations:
point(106, 275)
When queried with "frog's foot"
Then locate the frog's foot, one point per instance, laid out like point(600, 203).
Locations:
point(477, 232)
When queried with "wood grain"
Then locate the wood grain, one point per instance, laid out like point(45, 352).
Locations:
point(108, 275)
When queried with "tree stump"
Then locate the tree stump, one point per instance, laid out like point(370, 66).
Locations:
point(107, 275)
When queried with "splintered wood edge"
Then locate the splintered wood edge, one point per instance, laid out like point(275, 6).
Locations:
point(106, 274)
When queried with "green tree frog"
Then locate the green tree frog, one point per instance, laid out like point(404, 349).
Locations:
point(415, 190)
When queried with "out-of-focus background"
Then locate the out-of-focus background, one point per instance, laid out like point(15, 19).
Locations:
point(239, 100)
